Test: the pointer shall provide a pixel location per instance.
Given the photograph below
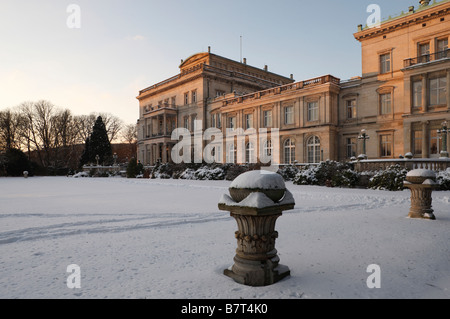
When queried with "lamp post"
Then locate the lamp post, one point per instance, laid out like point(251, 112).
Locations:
point(97, 158)
point(364, 137)
point(443, 133)
point(115, 159)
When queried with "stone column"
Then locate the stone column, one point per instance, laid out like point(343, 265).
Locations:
point(425, 93)
point(425, 140)
point(164, 153)
point(164, 124)
point(448, 91)
point(407, 137)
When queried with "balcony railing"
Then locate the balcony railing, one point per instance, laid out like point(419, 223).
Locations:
point(283, 89)
point(427, 58)
point(436, 164)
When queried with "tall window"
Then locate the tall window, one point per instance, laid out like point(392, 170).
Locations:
point(351, 147)
point(417, 143)
point(267, 118)
point(313, 149)
point(219, 120)
point(268, 148)
point(186, 122)
point(248, 121)
point(435, 143)
point(194, 123)
point(313, 111)
point(173, 100)
point(289, 151)
point(250, 153)
point(351, 109)
point(438, 91)
point(194, 96)
point(385, 63)
point(289, 115)
point(417, 93)
point(232, 122)
point(213, 120)
point(424, 52)
point(385, 103)
point(186, 98)
point(386, 145)
point(231, 154)
point(442, 49)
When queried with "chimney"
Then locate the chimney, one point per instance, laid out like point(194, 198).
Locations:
point(209, 49)
point(245, 60)
point(292, 76)
point(411, 9)
point(424, 3)
point(266, 68)
point(360, 27)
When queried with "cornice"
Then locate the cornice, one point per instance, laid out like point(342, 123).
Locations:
point(404, 22)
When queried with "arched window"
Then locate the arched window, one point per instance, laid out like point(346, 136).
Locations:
point(289, 151)
point(313, 150)
point(250, 153)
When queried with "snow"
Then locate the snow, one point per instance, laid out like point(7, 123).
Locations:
point(429, 182)
point(168, 239)
point(421, 173)
point(259, 179)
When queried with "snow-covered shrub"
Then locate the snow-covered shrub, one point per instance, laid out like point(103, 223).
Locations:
point(328, 173)
point(289, 172)
point(443, 178)
point(210, 172)
point(390, 179)
point(163, 171)
point(307, 176)
point(188, 173)
point(233, 171)
point(81, 174)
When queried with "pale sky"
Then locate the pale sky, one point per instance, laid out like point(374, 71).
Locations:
point(124, 46)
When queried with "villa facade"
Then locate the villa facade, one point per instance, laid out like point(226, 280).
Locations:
point(400, 100)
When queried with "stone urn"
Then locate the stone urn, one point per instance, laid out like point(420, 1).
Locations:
point(421, 182)
point(257, 200)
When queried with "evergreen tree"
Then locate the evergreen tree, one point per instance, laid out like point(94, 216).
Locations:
point(85, 156)
point(134, 168)
point(97, 144)
point(16, 162)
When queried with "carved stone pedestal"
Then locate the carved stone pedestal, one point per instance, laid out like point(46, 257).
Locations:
point(421, 201)
point(256, 262)
point(257, 200)
point(421, 183)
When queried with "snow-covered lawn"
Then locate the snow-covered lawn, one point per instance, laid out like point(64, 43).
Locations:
point(168, 239)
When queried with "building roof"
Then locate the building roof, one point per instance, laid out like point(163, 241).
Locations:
point(421, 14)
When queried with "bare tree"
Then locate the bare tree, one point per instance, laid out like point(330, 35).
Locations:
point(129, 133)
point(85, 123)
point(113, 125)
point(10, 122)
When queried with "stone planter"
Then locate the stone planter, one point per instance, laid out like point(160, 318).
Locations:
point(421, 182)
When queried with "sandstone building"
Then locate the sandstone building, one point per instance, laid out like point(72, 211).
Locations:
point(401, 99)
